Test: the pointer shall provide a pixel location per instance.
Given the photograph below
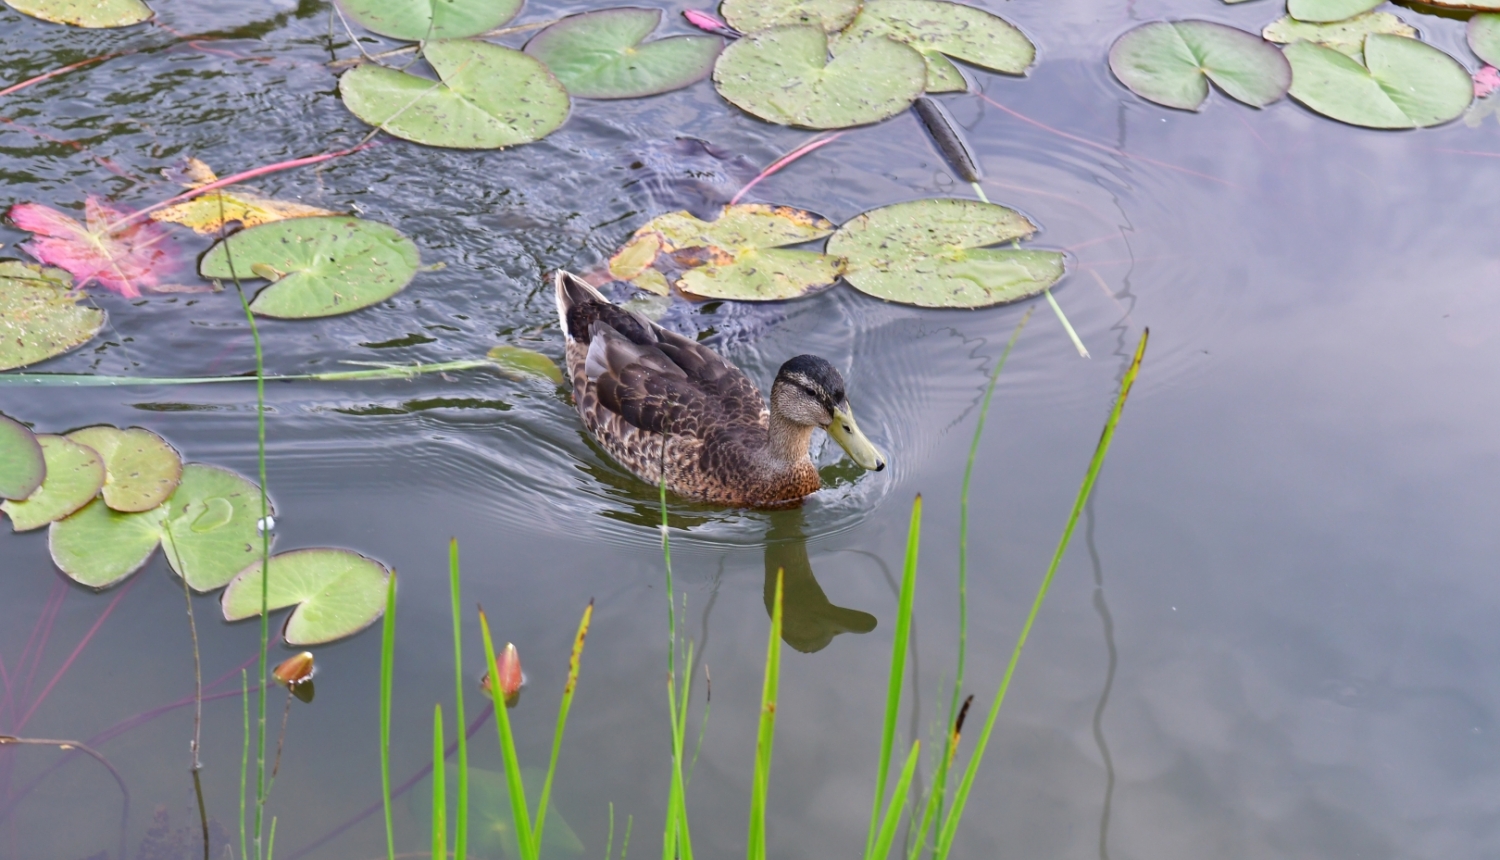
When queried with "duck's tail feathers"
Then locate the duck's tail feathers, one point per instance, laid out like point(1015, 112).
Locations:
point(571, 291)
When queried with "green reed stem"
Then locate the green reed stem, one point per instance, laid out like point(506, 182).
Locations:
point(244, 754)
point(525, 844)
point(387, 679)
point(677, 841)
point(385, 371)
point(897, 805)
point(562, 718)
point(271, 843)
point(461, 813)
point(945, 762)
point(609, 842)
point(625, 846)
point(439, 786)
point(898, 669)
point(765, 736)
point(961, 796)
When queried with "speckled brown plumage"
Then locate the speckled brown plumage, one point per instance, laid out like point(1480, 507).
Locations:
point(657, 401)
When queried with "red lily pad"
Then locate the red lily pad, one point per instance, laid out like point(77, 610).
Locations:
point(128, 258)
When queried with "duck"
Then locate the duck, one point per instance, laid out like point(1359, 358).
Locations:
point(672, 410)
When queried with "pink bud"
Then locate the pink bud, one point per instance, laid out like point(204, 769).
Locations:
point(1486, 81)
point(710, 23)
point(508, 668)
point(295, 670)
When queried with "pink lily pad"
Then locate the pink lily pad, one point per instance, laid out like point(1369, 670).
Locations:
point(127, 258)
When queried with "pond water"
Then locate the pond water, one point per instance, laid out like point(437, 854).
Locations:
point(1273, 635)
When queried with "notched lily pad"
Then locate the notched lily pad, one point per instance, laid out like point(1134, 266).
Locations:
point(738, 256)
point(1484, 37)
point(604, 55)
point(93, 14)
point(337, 592)
point(940, 30)
point(41, 315)
point(1346, 37)
point(783, 75)
point(22, 465)
point(749, 16)
point(1171, 63)
point(1324, 11)
point(99, 547)
point(319, 266)
point(420, 20)
point(933, 253)
point(74, 475)
point(140, 469)
point(211, 529)
point(1403, 83)
point(487, 97)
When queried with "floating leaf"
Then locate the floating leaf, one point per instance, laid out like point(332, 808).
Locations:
point(1171, 63)
point(1474, 5)
point(1346, 37)
point(748, 16)
point(210, 213)
point(932, 253)
point(210, 529)
point(339, 592)
point(604, 55)
point(40, 315)
point(1484, 37)
point(783, 75)
point(517, 362)
point(425, 20)
point(125, 258)
point(320, 266)
point(74, 475)
point(140, 469)
point(1403, 84)
point(739, 256)
point(94, 14)
point(22, 465)
point(936, 28)
point(99, 547)
point(1323, 11)
point(488, 97)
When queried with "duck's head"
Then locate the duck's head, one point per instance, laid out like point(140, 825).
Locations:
point(809, 392)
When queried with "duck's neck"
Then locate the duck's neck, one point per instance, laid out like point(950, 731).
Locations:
point(786, 449)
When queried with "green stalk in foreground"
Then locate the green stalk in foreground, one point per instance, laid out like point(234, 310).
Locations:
point(387, 674)
point(945, 762)
point(244, 754)
point(897, 805)
point(525, 845)
point(439, 786)
point(562, 720)
point(381, 371)
point(677, 843)
point(755, 842)
point(461, 813)
point(961, 796)
point(897, 671)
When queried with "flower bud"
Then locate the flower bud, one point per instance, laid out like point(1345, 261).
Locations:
point(508, 669)
point(295, 670)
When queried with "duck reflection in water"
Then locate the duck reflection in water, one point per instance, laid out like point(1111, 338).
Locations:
point(808, 620)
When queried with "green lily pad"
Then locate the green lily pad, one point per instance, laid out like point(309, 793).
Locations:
point(210, 533)
point(1403, 84)
point(99, 546)
point(1346, 37)
point(940, 30)
point(74, 475)
point(94, 14)
point(604, 55)
point(1484, 37)
point(140, 469)
point(488, 97)
point(783, 75)
point(738, 256)
point(749, 16)
point(1473, 5)
point(321, 266)
point(1324, 11)
point(426, 20)
point(40, 314)
point(932, 253)
point(516, 362)
point(338, 593)
point(1171, 63)
point(22, 466)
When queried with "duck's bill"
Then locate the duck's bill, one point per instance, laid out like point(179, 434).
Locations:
point(845, 432)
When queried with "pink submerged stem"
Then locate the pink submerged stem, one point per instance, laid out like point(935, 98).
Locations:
point(39, 633)
point(64, 70)
point(68, 663)
point(804, 149)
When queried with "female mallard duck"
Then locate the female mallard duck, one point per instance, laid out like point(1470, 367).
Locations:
point(659, 402)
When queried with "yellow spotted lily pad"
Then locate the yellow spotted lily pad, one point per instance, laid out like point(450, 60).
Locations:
point(41, 315)
point(140, 469)
point(210, 213)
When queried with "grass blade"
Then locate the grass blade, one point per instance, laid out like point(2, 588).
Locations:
point(676, 842)
point(439, 787)
point(961, 796)
point(562, 718)
point(525, 845)
point(387, 675)
point(755, 843)
point(897, 805)
point(244, 755)
point(394, 371)
point(461, 811)
point(898, 668)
